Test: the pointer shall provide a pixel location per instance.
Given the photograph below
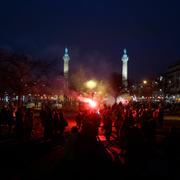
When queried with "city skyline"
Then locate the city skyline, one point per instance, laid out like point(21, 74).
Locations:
point(95, 33)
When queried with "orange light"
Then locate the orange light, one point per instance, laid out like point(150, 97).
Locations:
point(91, 84)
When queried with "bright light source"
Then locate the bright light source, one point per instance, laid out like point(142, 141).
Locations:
point(92, 103)
point(161, 78)
point(89, 102)
point(91, 84)
point(122, 100)
point(145, 82)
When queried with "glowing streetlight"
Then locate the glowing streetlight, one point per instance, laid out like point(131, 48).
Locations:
point(145, 82)
point(91, 84)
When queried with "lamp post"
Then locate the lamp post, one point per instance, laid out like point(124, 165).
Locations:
point(145, 82)
point(91, 84)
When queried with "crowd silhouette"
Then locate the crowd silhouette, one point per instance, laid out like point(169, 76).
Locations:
point(132, 127)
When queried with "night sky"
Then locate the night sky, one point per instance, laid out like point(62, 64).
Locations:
point(96, 32)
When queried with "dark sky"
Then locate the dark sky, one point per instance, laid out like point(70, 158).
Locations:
point(95, 31)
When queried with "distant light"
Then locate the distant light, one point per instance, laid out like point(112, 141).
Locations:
point(6, 98)
point(91, 84)
point(56, 97)
point(122, 100)
point(145, 82)
point(134, 98)
point(161, 78)
point(23, 98)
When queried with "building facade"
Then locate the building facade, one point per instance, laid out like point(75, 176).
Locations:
point(173, 80)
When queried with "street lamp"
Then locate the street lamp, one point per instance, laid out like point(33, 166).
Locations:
point(91, 84)
point(145, 82)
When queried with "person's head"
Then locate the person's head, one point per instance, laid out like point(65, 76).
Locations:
point(74, 130)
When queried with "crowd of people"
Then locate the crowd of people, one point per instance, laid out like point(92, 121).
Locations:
point(123, 118)
point(133, 127)
point(19, 122)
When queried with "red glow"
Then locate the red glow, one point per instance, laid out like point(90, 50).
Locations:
point(91, 103)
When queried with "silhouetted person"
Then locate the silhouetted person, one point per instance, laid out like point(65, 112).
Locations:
point(71, 146)
point(10, 120)
point(56, 122)
point(135, 151)
point(1, 122)
point(161, 116)
point(28, 123)
point(62, 123)
point(47, 123)
point(79, 120)
point(108, 126)
point(117, 124)
point(19, 123)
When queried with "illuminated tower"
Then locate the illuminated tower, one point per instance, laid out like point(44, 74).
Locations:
point(66, 59)
point(125, 69)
